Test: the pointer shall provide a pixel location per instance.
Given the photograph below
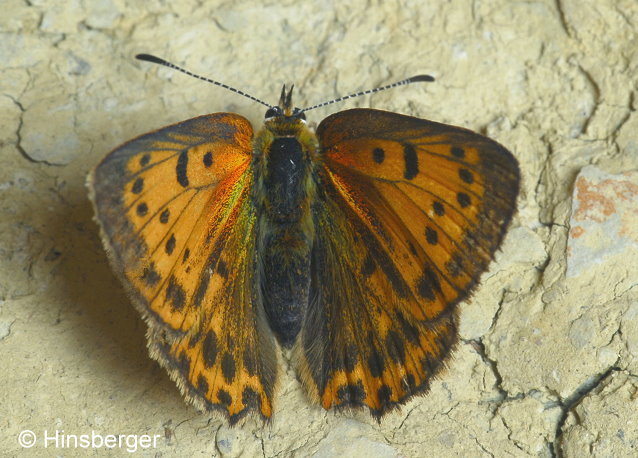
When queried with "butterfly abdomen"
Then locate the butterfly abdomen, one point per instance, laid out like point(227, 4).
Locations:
point(284, 180)
point(285, 258)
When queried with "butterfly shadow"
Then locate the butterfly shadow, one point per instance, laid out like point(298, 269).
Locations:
point(107, 328)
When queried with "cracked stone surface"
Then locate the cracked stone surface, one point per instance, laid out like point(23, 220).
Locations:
point(604, 422)
point(548, 359)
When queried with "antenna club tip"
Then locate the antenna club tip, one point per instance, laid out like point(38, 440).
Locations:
point(420, 78)
point(150, 58)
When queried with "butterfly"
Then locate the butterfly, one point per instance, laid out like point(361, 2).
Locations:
point(348, 248)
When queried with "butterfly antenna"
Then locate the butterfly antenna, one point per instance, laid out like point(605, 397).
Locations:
point(165, 63)
point(414, 79)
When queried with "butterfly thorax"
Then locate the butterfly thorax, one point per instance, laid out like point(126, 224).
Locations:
point(283, 149)
point(284, 192)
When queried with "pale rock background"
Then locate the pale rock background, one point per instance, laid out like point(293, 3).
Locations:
point(548, 363)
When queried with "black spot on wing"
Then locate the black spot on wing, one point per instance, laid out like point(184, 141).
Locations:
point(466, 176)
point(428, 284)
point(463, 199)
point(384, 393)
point(395, 347)
point(228, 367)
point(376, 364)
point(353, 393)
point(438, 208)
point(208, 159)
point(432, 278)
point(182, 168)
point(458, 152)
point(150, 275)
point(411, 161)
point(170, 245)
point(142, 209)
point(201, 289)
point(202, 384)
point(431, 236)
point(164, 216)
point(209, 349)
point(175, 294)
point(454, 266)
point(425, 290)
point(184, 363)
point(224, 398)
point(138, 185)
point(378, 155)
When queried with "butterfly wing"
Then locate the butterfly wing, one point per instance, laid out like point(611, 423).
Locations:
point(409, 214)
point(178, 222)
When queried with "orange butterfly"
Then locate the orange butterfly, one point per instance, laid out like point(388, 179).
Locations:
point(351, 247)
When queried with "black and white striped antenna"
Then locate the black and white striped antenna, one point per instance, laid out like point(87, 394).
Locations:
point(160, 61)
point(413, 79)
point(165, 63)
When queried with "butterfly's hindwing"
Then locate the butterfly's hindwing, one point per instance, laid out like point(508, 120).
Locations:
point(227, 361)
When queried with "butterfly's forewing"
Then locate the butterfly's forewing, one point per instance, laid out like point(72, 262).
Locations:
point(177, 218)
point(410, 213)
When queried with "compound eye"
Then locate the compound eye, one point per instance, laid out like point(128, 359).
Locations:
point(272, 112)
point(297, 113)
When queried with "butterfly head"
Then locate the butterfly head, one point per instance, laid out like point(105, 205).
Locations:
point(283, 118)
point(285, 108)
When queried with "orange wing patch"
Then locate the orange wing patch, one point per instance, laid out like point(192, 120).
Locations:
point(416, 210)
point(227, 360)
point(152, 192)
point(176, 216)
